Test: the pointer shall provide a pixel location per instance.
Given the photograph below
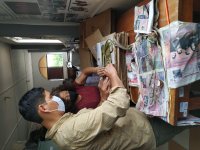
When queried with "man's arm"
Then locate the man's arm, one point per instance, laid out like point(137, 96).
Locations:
point(88, 125)
point(112, 80)
point(87, 71)
point(111, 73)
point(104, 89)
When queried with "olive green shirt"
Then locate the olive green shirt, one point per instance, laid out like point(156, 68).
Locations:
point(111, 126)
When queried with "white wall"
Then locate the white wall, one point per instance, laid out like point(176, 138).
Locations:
point(38, 80)
point(6, 79)
point(13, 77)
point(18, 68)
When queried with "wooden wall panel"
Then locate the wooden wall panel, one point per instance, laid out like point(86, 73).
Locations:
point(173, 11)
point(178, 10)
point(125, 21)
point(196, 4)
point(186, 10)
point(102, 22)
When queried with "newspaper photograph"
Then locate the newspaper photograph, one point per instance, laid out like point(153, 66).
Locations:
point(132, 68)
point(180, 43)
point(144, 18)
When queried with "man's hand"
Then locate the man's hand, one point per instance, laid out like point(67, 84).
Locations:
point(87, 71)
point(111, 73)
point(100, 71)
point(104, 88)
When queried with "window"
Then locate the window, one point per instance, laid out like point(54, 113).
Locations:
point(51, 66)
point(55, 60)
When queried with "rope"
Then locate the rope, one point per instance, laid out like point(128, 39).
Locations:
point(167, 11)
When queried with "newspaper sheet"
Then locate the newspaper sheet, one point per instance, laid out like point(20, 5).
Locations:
point(181, 49)
point(153, 89)
point(110, 53)
point(132, 68)
point(190, 120)
point(144, 18)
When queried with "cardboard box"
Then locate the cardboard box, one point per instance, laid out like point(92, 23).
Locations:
point(92, 40)
point(86, 59)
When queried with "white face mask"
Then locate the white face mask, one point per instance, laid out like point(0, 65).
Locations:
point(61, 105)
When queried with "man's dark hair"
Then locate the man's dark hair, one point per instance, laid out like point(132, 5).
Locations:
point(69, 105)
point(29, 102)
point(68, 84)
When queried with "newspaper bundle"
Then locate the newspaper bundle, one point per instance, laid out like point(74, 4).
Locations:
point(181, 49)
point(153, 89)
point(144, 17)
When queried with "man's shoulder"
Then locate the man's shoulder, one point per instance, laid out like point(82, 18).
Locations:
point(84, 110)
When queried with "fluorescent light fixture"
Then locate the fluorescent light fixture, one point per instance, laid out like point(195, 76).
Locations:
point(21, 40)
point(38, 41)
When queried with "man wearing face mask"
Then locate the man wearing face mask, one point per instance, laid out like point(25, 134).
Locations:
point(55, 103)
point(75, 96)
point(89, 128)
point(60, 103)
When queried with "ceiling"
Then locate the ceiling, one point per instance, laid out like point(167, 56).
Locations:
point(52, 18)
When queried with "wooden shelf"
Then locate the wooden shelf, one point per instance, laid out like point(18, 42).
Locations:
point(178, 10)
point(175, 100)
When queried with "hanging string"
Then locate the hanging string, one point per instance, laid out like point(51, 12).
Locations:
point(167, 11)
point(168, 22)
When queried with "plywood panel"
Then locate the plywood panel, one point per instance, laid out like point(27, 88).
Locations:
point(173, 106)
point(173, 11)
point(82, 35)
point(134, 91)
point(178, 10)
point(101, 22)
point(185, 10)
point(196, 5)
point(126, 21)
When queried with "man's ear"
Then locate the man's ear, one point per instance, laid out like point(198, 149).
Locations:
point(43, 108)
